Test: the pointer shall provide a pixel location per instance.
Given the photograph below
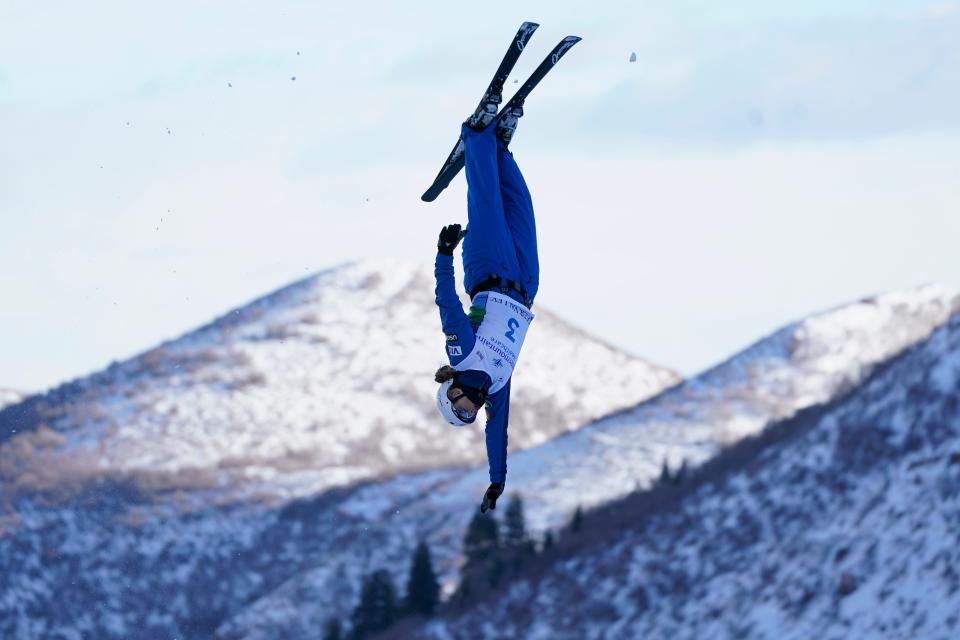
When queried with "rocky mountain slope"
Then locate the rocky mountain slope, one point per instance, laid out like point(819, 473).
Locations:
point(845, 528)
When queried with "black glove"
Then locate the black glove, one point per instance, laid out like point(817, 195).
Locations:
point(450, 237)
point(494, 491)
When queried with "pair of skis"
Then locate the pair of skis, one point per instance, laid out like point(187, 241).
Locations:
point(455, 160)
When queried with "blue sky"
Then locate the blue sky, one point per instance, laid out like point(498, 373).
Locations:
point(759, 162)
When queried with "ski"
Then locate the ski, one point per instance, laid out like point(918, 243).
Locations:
point(450, 169)
point(455, 161)
point(495, 87)
point(553, 58)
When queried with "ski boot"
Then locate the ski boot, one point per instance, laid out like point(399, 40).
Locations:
point(507, 123)
point(486, 112)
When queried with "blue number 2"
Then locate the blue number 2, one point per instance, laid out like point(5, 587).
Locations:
point(513, 324)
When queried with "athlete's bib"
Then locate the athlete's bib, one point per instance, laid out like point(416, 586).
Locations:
point(499, 338)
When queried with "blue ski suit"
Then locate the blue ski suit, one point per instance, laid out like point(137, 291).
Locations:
point(501, 243)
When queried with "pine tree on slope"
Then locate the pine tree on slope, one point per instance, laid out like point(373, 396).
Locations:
point(516, 535)
point(482, 540)
point(377, 609)
point(576, 523)
point(332, 630)
point(482, 566)
point(423, 590)
point(664, 478)
point(517, 541)
point(547, 541)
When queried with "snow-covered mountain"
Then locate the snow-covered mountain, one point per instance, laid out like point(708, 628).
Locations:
point(268, 569)
point(325, 382)
point(9, 396)
point(805, 363)
point(845, 526)
point(168, 471)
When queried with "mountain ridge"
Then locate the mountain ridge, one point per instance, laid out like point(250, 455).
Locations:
point(614, 455)
point(322, 382)
point(277, 565)
point(840, 532)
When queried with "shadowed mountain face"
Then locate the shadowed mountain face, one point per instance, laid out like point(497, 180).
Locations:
point(94, 559)
point(325, 382)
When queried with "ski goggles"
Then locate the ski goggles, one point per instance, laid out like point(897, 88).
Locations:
point(463, 414)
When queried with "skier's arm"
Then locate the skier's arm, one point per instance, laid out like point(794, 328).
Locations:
point(497, 418)
point(452, 318)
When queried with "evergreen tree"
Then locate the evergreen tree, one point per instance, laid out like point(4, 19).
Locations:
point(495, 571)
point(681, 475)
point(516, 535)
point(482, 540)
point(481, 547)
point(423, 590)
point(576, 523)
point(664, 473)
point(332, 631)
point(547, 541)
point(464, 595)
point(517, 541)
point(377, 609)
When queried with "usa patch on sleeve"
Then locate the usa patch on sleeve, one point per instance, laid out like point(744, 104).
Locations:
point(452, 337)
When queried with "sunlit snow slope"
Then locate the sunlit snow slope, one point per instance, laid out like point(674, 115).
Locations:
point(847, 530)
point(326, 381)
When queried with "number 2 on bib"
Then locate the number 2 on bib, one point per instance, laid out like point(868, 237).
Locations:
point(513, 324)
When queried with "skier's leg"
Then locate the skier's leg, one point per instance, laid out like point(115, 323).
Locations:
point(518, 208)
point(488, 248)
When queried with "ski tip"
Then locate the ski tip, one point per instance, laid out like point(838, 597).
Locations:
point(572, 39)
point(529, 25)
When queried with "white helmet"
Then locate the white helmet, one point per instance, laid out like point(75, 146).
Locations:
point(450, 413)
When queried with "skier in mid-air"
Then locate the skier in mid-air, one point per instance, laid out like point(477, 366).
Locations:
point(501, 274)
